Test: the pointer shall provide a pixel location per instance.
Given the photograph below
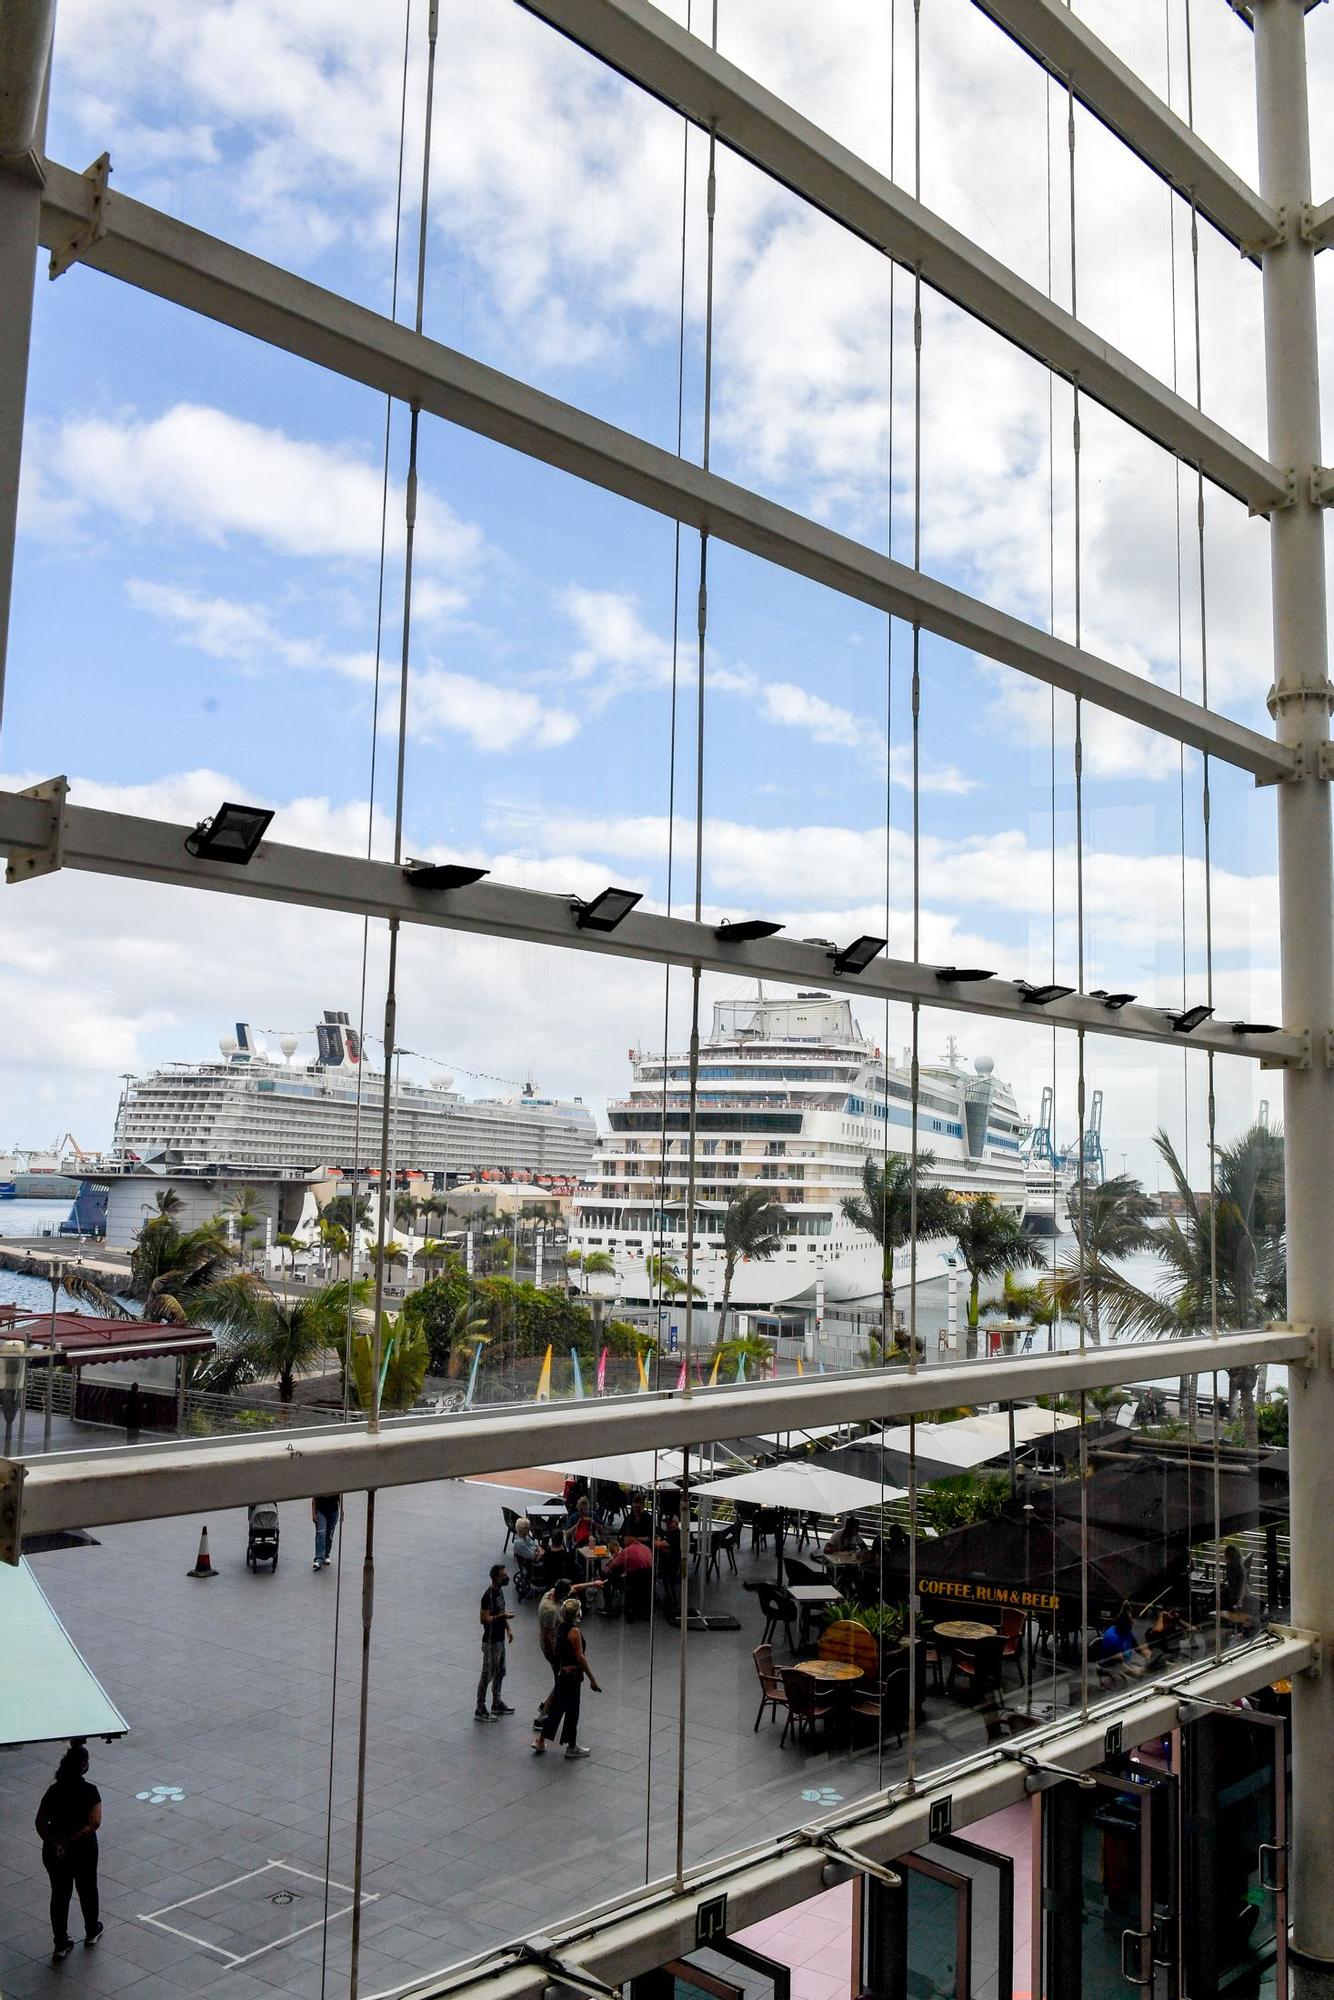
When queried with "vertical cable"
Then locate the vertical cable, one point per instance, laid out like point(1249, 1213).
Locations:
point(361, 1016)
point(391, 1020)
point(702, 627)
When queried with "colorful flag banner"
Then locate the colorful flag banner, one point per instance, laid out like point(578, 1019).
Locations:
point(713, 1372)
point(472, 1375)
point(602, 1373)
point(643, 1374)
point(543, 1394)
point(578, 1374)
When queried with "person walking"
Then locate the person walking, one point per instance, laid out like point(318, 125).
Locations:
point(134, 1414)
point(67, 1821)
point(550, 1612)
point(496, 1635)
point(572, 1671)
point(324, 1512)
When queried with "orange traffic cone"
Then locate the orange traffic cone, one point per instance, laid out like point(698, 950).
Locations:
point(203, 1567)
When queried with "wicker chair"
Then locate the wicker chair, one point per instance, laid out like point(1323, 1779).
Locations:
point(772, 1695)
point(807, 1703)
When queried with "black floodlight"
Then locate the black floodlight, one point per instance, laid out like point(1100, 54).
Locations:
point(855, 957)
point(1255, 1028)
point(1187, 1019)
point(233, 834)
point(960, 975)
point(1114, 1002)
point(1042, 996)
point(442, 875)
point(606, 911)
point(749, 931)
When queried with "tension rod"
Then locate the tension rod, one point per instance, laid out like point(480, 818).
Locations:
point(542, 1952)
point(848, 1857)
point(1047, 1774)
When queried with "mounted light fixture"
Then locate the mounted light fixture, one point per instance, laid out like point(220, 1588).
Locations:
point(960, 975)
point(855, 957)
point(1113, 1002)
point(749, 931)
point(1042, 996)
point(606, 911)
point(1187, 1019)
point(442, 875)
point(233, 834)
point(1255, 1028)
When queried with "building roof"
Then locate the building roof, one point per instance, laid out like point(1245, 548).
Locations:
point(84, 1338)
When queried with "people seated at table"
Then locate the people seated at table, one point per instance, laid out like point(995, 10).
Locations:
point(1119, 1647)
point(638, 1523)
point(846, 1539)
point(668, 1545)
point(526, 1548)
point(1166, 1631)
point(581, 1528)
point(629, 1571)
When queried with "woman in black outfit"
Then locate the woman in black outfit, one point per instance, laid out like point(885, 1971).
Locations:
point(67, 1820)
point(572, 1670)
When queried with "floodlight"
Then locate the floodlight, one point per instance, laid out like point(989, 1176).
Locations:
point(1042, 996)
point(1255, 1028)
point(1114, 1002)
point(233, 833)
point(606, 911)
point(1187, 1019)
point(855, 957)
point(749, 931)
point(442, 874)
point(959, 975)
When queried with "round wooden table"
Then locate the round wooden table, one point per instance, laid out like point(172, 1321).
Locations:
point(827, 1670)
point(966, 1628)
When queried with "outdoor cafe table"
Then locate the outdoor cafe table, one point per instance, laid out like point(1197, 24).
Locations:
point(964, 1632)
point(826, 1670)
point(808, 1597)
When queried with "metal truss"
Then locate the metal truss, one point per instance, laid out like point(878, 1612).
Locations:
point(153, 1482)
point(1064, 46)
point(205, 275)
point(643, 44)
point(41, 832)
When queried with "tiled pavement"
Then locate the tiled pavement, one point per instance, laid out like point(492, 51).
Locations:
point(469, 1841)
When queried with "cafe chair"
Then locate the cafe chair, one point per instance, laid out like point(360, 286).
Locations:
point(763, 1527)
point(510, 1515)
point(977, 1661)
point(800, 1572)
point(1013, 1626)
point(807, 1703)
point(1002, 1722)
point(779, 1609)
point(885, 1703)
point(772, 1696)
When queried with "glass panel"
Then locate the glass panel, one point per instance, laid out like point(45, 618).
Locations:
point(1109, 1884)
point(938, 1918)
point(1234, 1858)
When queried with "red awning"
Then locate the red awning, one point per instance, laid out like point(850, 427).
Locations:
point(85, 1338)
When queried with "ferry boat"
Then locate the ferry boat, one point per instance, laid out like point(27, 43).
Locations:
point(792, 1098)
point(272, 1112)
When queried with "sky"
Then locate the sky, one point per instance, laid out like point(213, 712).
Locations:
point(199, 602)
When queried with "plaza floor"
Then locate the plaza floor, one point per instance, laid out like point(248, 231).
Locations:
point(232, 1800)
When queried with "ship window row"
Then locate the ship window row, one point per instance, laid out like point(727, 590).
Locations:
point(657, 1222)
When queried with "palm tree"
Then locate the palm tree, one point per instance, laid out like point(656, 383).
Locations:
point(466, 1331)
point(432, 1251)
point(884, 1209)
point(168, 1202)
point(405, 1211)
point(265, 1334)
point(593, 1264)
point(404, 1359)
point(334, 1238)
point(991, 1241)
point(289, 1245)
point(170, 1267)
point(1227, 1246)
point(1111, 1222)
point(664, 1277)
point(240, 1207)
point(753, 1226)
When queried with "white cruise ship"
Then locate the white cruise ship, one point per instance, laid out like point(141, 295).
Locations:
point(794, 1099)
point(252, 1109)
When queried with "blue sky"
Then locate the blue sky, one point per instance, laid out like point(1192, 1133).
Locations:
point(196, 596)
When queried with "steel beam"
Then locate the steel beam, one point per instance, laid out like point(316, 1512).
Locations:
point(1068, 49)
point(638, 40)
point(54, 834)
point(646, 1929)
point(168, 258)
point(153, 1482)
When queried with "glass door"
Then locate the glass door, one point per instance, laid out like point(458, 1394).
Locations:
point(1234, 1854)
point(947, 1933)
point(725, 1971)
point(1107, 1889)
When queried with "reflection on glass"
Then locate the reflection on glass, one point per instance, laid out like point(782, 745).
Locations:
point(1234, 1840)
point(1109, 1884)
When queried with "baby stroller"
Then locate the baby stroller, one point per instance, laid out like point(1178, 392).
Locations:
point(262, 1536)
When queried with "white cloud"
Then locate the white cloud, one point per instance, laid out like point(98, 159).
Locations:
point(241, 634)
point(491, 717)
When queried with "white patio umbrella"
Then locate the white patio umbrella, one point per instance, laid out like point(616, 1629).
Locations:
point(800, 1487)
point(627, 1468)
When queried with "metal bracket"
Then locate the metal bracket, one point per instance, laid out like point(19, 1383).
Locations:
point(845, 1862)
point(1303, 1061)
point(1277, 236)
point(43, 860)
point(13, 1472)
point(1309, 760)
point(1322, 485)
point(1041, 1777)
point(1315, 1640)
point(96, 226)
point(1277, 502)
point(542, 1952)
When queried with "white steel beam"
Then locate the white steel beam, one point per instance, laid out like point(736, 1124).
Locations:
point(154, 1482)
point(203, 274)
point(638, 40)
point(1066, 47)
point(39, 834)
point(648, 1928)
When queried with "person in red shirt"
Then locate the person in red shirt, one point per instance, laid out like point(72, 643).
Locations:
point(631, 1568)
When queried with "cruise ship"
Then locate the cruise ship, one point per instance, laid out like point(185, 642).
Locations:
point(793, 1098)
point(252, 1109)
